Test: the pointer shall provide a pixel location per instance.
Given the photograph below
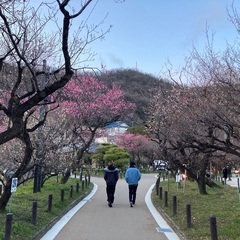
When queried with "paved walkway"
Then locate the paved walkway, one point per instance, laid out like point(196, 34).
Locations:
point(92, 219)
point(234, 182)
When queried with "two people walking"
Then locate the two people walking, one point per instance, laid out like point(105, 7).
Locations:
point(227, 173)
point(111, 176)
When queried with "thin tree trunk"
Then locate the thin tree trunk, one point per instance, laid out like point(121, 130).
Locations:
point(202, 185)
point(20, 171)
point(66, 176)
point(5, 196)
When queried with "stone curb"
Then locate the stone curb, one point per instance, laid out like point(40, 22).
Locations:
point(170, 222)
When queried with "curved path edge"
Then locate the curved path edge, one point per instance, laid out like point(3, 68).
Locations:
point(52, 233)
point(163, 225)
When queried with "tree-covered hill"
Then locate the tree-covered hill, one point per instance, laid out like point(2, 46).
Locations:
point(138, 88)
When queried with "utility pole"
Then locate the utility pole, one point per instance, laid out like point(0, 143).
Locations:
point(40, 154)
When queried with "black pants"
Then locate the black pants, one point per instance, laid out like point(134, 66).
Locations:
point(132, 193)
point(110, 189)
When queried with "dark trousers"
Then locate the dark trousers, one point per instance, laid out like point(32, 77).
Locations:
point(110, 189)
point(132, 193)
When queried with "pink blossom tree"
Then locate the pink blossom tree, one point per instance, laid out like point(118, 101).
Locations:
point(89, 105)
point(140, 147)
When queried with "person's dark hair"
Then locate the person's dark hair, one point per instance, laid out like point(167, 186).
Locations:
point(132, 164)
point(110, 163)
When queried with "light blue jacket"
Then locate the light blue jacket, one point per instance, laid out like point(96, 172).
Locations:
point(132, 176)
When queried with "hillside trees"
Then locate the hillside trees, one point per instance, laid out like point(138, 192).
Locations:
point(137, 87)
point(27, 39)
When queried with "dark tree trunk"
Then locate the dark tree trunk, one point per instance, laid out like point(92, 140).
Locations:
point(66, 176)
point(20, 171)
point(5, 196)
point(80, 153)
point(202, 184)
point(210, 183)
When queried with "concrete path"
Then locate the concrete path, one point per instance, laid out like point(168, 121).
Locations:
point(234, 182)
point(92, 219)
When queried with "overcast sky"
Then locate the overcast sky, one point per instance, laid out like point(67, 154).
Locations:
point(146, 34)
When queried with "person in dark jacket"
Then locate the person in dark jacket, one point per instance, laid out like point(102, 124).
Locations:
point(225, 174)
point(132, 176)
point(229, 168)
point(111, 177)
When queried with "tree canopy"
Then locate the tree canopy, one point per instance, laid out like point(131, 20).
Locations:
point(35, 62)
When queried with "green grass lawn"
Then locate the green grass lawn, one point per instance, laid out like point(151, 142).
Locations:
point(22, 202)
point(223, 203)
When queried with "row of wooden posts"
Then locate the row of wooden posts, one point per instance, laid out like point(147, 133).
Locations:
point(9, 217)
point(212, 219)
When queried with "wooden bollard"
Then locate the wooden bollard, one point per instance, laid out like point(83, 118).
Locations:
point(157, 185)
point(160, 193)
point(71, 191)
point(8, 226)
point(82, 185)
point(77, 187)
point(89, 178)
point(174, 205)
point(213, 228)
point(62, 195)
point(85, 180)
point(166, 198)
point(50, 198)
point(188, 213)
point(34, 213)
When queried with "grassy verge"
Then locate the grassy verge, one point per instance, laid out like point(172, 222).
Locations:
point(223, 203)
point(22, 202)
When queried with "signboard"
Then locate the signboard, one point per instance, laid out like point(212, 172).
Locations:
point(14, 185)
point(178, 178)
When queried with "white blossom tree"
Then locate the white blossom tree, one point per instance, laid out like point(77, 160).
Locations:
point(33, 32)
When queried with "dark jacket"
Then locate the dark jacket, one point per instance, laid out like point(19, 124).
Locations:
point(225, 172)
point(111, 175)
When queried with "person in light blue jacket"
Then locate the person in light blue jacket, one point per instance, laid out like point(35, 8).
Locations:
point(132, 176)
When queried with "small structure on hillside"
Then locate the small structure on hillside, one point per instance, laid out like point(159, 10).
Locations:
point(111, 130)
